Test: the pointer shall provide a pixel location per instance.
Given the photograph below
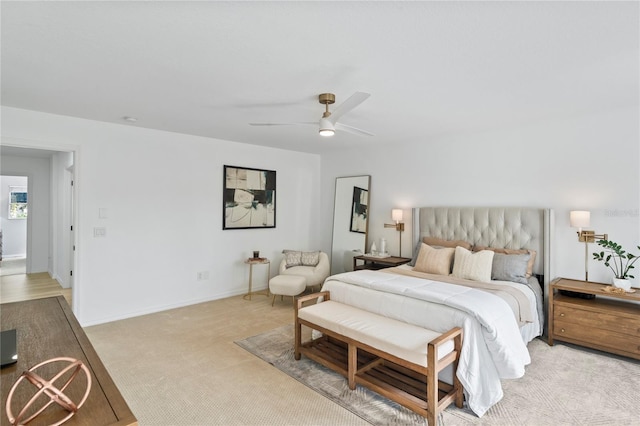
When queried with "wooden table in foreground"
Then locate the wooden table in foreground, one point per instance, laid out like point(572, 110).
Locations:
point(610, 322)
point(46, 328)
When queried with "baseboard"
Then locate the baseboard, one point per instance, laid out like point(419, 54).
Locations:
point(61, 281)
point(161, 308)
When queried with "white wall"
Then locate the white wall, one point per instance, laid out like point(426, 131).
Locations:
point(162, 193)
point(38, 234)
point(587, 163)
point(14, 231)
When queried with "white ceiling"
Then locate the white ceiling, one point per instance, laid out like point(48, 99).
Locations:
point(210, 68)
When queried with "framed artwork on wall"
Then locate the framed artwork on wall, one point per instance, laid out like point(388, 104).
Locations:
point(249, 198)
point(359, 210)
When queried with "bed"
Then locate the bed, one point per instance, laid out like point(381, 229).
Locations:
point(499, 318)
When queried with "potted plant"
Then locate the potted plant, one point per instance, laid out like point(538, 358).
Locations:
point(618, 260)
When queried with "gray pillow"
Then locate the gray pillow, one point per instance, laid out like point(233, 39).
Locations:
point(416, 251)
point(310, 258)
point(510, 267)
point(292, 258)
point(301, 258)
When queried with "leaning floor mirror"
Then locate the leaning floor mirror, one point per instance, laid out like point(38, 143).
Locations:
point(350, 221)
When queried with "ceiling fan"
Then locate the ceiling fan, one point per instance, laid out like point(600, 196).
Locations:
point(328, 124)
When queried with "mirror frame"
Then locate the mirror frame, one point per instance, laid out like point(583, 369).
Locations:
point(340, 209)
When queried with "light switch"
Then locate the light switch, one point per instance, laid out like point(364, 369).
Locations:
point(102, 213)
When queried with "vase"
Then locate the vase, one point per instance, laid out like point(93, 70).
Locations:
point(383, 246)
point(621, 283)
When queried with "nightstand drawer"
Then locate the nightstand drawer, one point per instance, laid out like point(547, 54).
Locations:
point(601, 320)
point(596, 336)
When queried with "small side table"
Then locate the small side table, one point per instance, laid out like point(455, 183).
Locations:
point(375, 262)
point(257, 261)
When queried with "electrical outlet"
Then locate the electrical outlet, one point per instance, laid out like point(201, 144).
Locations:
point(203, 275)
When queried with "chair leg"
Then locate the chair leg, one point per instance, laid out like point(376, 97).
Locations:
point(273, 300)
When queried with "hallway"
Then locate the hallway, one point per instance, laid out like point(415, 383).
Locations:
point(14, 288)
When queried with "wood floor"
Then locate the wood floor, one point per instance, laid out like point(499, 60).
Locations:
point(15, 288)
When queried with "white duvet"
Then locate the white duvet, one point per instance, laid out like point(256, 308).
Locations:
point(492, 347)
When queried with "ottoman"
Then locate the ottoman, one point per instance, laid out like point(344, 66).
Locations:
point(287, 285)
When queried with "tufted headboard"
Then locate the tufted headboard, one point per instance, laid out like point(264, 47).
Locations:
point(504, 227)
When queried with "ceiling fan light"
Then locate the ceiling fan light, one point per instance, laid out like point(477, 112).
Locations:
point(326, 128)
point(327, 132)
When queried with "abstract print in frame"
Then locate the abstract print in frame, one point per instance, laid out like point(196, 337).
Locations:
point(249, 198)
point(359, 210)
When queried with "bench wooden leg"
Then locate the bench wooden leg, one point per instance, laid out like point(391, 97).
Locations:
point(459, 399)
point(432, 386)
point(298, 339)
point(352, 368)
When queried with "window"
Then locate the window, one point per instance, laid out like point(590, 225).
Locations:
point(17, 202)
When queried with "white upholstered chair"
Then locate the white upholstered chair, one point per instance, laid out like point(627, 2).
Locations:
point(314, 275)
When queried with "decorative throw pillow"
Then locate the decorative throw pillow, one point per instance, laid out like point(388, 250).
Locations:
point(437, 243)
point(510, 267)
point(433, 241)
point(292, 258)
point(311, 258)
point(473, 266)
point(434, 261)
point(531, 253)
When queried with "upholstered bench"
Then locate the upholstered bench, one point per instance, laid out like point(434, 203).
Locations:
point(287, 285)
point(398, 360)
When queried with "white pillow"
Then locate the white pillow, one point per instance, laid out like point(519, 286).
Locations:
point(473, 266)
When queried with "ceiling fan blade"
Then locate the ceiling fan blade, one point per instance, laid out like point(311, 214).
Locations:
point(355, 100)
point(351, 129)
point(315, 123)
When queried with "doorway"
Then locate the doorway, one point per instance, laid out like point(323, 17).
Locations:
point(50, 217)
point(13, 224)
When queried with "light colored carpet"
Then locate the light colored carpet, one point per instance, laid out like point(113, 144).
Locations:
point(183, 367)
point(562, 386)
point(13, 266)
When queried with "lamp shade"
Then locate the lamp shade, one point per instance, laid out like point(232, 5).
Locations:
point(579, 218)
point(396, 214)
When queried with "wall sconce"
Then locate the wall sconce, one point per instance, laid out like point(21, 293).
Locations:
point(580, 219)
point(396, 215)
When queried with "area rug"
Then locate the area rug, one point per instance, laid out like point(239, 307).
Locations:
point(563, 386)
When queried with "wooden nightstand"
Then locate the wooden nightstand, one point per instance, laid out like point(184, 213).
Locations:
point(610, 322)
point(374, 262)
